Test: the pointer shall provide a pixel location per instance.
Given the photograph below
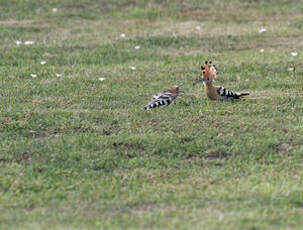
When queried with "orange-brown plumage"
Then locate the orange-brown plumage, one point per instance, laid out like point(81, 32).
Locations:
point(208, 74)
point(174, 90)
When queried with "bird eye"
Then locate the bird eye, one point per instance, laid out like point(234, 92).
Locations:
point(203, 71)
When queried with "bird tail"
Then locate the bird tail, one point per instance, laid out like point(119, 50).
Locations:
point(243, 94)
point(147, 107)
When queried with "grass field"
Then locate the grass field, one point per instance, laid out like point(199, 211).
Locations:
point(80, 153)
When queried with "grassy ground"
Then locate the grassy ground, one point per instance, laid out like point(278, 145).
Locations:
point(80, 153)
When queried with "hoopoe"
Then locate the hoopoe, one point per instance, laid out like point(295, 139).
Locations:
point(164, 98)
point(209, 72)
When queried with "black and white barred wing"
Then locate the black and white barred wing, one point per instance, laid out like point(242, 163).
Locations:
point(160, 99)
point(225, 94)
point(156, 96)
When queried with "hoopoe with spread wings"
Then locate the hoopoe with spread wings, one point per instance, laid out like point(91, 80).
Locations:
point(164, 98)
point(209, 72)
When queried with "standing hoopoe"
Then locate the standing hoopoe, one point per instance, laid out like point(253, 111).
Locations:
point(216, 92)
point(164, 98)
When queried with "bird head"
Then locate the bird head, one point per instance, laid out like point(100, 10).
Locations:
point(174, 90)
point(209, 72)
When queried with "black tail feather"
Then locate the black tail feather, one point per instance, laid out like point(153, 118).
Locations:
point(244, 94)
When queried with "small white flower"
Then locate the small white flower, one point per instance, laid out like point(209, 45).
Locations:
point(198, 28)
point(29, 43)
point(101, 79)
point(54, 9)
point(132, 67)
point(137, 47)
point(294, 54)
point(262, 30)
point(18, 43)
point(261, 50)
point(122, 35)
point(33, 75)
point(58, 75)
point(43, 62)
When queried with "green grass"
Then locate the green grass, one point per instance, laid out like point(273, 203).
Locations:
point(78, 153)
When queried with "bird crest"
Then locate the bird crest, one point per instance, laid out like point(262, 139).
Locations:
point(208, 70)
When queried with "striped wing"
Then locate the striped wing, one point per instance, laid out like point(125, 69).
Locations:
point(160, 99)
point(156, 96)
point(225, 94)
